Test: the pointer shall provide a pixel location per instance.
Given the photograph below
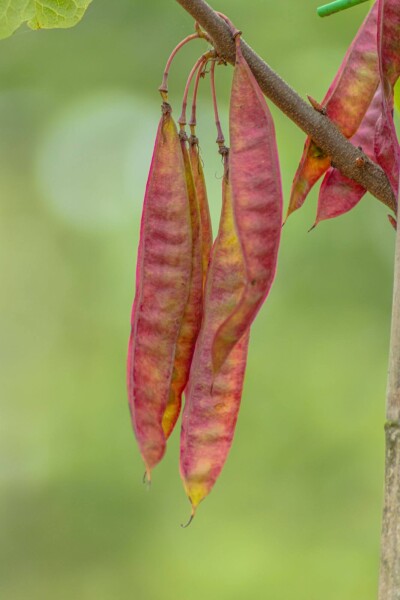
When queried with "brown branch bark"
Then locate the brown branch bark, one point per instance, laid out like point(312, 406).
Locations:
point(324, 133)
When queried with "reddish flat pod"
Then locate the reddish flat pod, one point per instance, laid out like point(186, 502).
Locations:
point(386, 144)
point(192, 316)
point(162, 288)
point(339, 194)
point(346, 103)
point(212, 402)
point(312, 165)
point(201, 192)
point(257, 201)
point(389, 40)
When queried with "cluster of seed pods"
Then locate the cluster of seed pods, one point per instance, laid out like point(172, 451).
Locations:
point(360, 102)
point(196, 298)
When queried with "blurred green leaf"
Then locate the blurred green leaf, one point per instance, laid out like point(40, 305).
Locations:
point(13, 14)
point(40, 14)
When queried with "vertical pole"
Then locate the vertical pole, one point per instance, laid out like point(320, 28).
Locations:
point(389, 581)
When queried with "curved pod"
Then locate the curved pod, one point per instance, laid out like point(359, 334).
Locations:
point(201, 192)
point(162, 288)
point(257, 202)
point(191, 320)
point(345, 102)
point(213, 401)
point(339, 194)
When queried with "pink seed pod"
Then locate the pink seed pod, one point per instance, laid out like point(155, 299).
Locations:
point(213, 401)
point(345, 103)
point(201, 192)
point(386, 144)
point(257, 202)
point(191, 321)
point(162, 288)
point(339, 194)
point(389, 41)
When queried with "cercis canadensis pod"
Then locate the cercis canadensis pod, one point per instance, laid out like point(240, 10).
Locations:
point(191, 319)
point(202, 199)
point(213, 401)
point(345, 104)
point(163, 278)
point(196, 300)
point(386, 146)
point(257, 202)
point(339, 194)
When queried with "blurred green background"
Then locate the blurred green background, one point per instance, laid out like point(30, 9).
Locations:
point(296, 512)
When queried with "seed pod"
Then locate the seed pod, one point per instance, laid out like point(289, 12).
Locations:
point(201, 192)
point(346, 102)
point(162, 288)
point(339, 194)
point(386, 144)
point(257, 202)
point(212, 402)
point(192, 316)
point(389, 41)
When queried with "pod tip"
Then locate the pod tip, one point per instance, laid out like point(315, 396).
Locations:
point(147, 478)
point(184, 526)
point(313, 226)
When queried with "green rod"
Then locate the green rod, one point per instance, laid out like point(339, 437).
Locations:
point(338, 5)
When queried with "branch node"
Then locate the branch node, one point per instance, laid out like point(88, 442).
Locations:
point(316, 105)
point(360, 161)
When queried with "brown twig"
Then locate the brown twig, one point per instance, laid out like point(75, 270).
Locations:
point(318, 126)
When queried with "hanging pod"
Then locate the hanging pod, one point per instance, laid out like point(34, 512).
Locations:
point(257, 202)
point(241, 271)
point(163, 279)
point(201, 192)
point(201, 242)
point(191, 320)
point(386, 145)
point(345, 103)
point(212, 401)
point(339, 194)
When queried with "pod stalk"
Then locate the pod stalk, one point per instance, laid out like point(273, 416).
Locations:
point(199, 65)
point(200, 34)
point(193, 121)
